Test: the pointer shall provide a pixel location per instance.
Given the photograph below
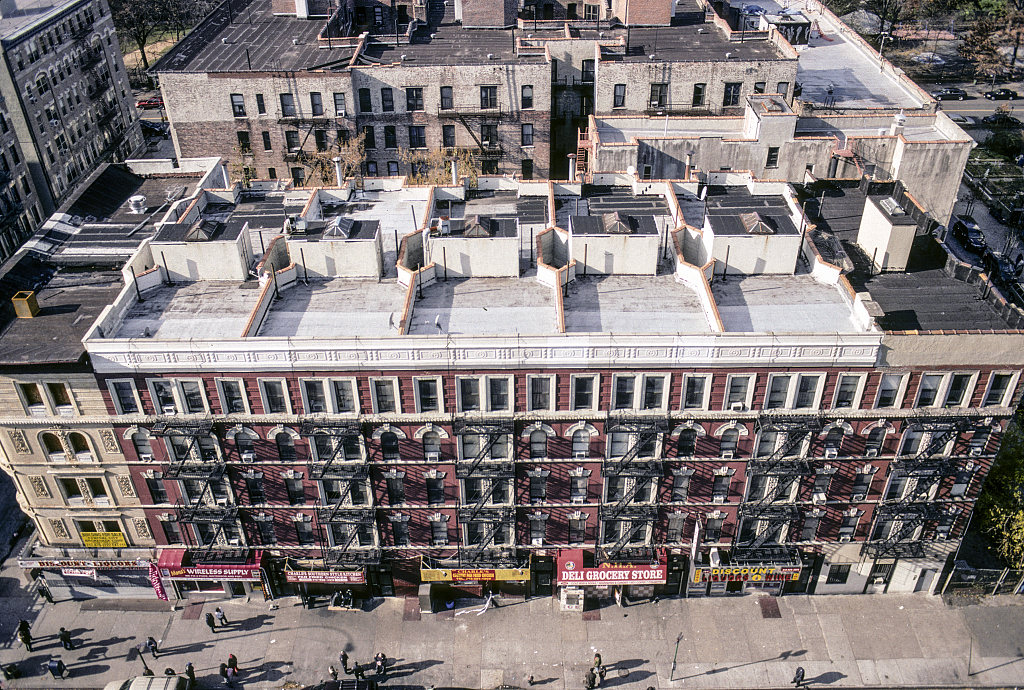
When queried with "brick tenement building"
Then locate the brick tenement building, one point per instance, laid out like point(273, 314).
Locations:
point(267, 86)
point(561, 387)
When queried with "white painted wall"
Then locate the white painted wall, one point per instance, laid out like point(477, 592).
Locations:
point(615, 254)
point(482, 257)
point(754, 254)
point(361, 258)
point(192, 261)
point(889, 245)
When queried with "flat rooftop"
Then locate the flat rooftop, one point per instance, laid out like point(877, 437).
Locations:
point(69, 301)
point(691, 43)
point(726, 204)
point(599, 200)
point(633, 304)
point(18, 14)
point(336, 308)
point(485, 306)
point(781, 304)
point(201, 310)
point(925, 297)
point(614, 130)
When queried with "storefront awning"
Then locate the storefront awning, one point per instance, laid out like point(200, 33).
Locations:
point(176, 564)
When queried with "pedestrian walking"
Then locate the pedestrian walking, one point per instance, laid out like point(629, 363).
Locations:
point(221, 618)
point(333, 671)
point(44, 591)
point(597, 661)
point(152, 646)
point(357, 671)
point(26, 638)
point(344, 663)
point(530, 681)
point(233, 662)
point(190, 673)
point(590, 680)
point(211, 622)
point(65, 639)
point(380, 663)
point(798, 679)
point(224, 674)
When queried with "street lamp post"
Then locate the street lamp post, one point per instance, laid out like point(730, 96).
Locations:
point(672, 674)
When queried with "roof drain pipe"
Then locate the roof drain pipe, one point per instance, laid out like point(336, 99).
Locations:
point(305, 273)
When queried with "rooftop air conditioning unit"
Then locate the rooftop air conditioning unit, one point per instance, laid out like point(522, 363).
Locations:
point(844, 538)
point(831, 453)
point(871, 452)
point(818, 498)
point(737, 407)
point(728, 454)
point(857, 497)
point(146, 457)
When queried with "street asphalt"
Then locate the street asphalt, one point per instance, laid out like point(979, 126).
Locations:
point(840, 641)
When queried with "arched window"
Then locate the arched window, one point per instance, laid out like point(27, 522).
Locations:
point(911, 442)
point(285, 445)
point(52, 444)
point(350, 447)
point(143, 448)
point(875, 439)
point(618, 444)
point(538, 444)
point(581, 443)
point(323, 448)
point(686, 445)
point(470, 446)
point(730, 438)
point(834, 439)
point(431, 445)
point(246, 443)
point(78, 442)
point(389, 445)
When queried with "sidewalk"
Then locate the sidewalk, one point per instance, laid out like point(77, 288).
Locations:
point(840, 641)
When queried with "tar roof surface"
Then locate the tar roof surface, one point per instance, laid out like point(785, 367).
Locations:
point(726, 203)
point(693, 43)
point(69, 302)
point(925, 297)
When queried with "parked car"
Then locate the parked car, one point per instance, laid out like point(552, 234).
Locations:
point(1001, 120)
point(153, 129)
point(149, 683)
point(970, 236)
point(150, 103)
point(998, 267)
point(950, 93)
point(963, 120)
point(1001, 95)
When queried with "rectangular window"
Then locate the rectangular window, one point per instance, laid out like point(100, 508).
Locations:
point(578, 488)
point(304, 532)
point(316, 398)
point(810, 528)
point(527, 168)
point(33, 398)
point(266, 141)
point(488, 97)
point(720, 487)
point(396, 490)
point(680, 487)
point(390, 137)
point(538, 530)
point(624, 390)
point(296, 490)
point(782, 88)
point(731, 96)
point(488, 135)
point(699, 95)
point(272, 173)
point(172, 532)
point(369, 138)
point(291, 140)
point(846, 390)
point(244, 145)
point(414, 99)
point(237, 105)
point(275, 400)
point(371, 168)
point(447, 99)
point(526, 97)
point(387, 100)
point(958, 386)
point(156, 490)
point(469, 394)
point(163, 397)
point(713, 529)
point(654, 392)
point(320, 139)
point(838, 573)
point(773, 157)
point(448, 136)
point(538, 489)
point(998, 386)
point(806, 391)
point(960, 483)
point(619, 96)
point(268, 536)
point(737, 393)
point(435, 491)
point(344, 396)
point(439, 532)
point(261, 106)
point(192, 395)
point(417, 136)
point(497, 393)
point(365, 101)
point(778, 392)
point(254, 487)
point(316, 103)
point(400, 531)
point(384, 398)
point(659, 95)
point(577, 530)
point(590, 13)
point(587, 70)
point(527, 134)
point(582, 392)
point(889, 390)
point(339, 104)
point(928, 390)
point(759, 87)
point(426, 389)
point(539, 392)
point(694, 392)
point(287, 105)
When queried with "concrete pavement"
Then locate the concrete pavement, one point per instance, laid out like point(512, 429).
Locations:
point(840, 641)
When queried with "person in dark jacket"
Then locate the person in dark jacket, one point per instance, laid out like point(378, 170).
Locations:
point(211, 622)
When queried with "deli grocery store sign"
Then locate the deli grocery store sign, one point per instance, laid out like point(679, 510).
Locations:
point(572, 572)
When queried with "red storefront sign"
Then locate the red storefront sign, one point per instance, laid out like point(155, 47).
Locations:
point(171, 566)
point(326, 577)
point(572, 572)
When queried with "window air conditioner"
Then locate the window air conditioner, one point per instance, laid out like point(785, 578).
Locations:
point(343, 113)
point(728, 454)
point(857, 497)
point(871, 453)
point(718, 499)
point(146, 457)
point(578, 499)
point(432, 455)
point(169, 409)
point(580, 455)
point(737, 407)
point(818, 498)
point(234, 542)
point(976, 451)
point(248, 456)
point(222, 501)
point(539, 541)
point(844, 538)
point(831, 453)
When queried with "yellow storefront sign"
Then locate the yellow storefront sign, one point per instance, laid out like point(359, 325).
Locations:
point(104, 540)
point(473, 574)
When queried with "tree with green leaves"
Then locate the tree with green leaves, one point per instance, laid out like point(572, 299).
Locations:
point(136, 20)
point(1000, 508)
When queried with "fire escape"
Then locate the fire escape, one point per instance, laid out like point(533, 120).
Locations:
point(771, 513)
point(213, 517)
point(914, 507)
point(640, 463)
point(496, 472)
point(341, 518)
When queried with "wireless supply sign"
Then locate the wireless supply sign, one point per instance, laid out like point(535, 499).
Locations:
point(572, 572)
